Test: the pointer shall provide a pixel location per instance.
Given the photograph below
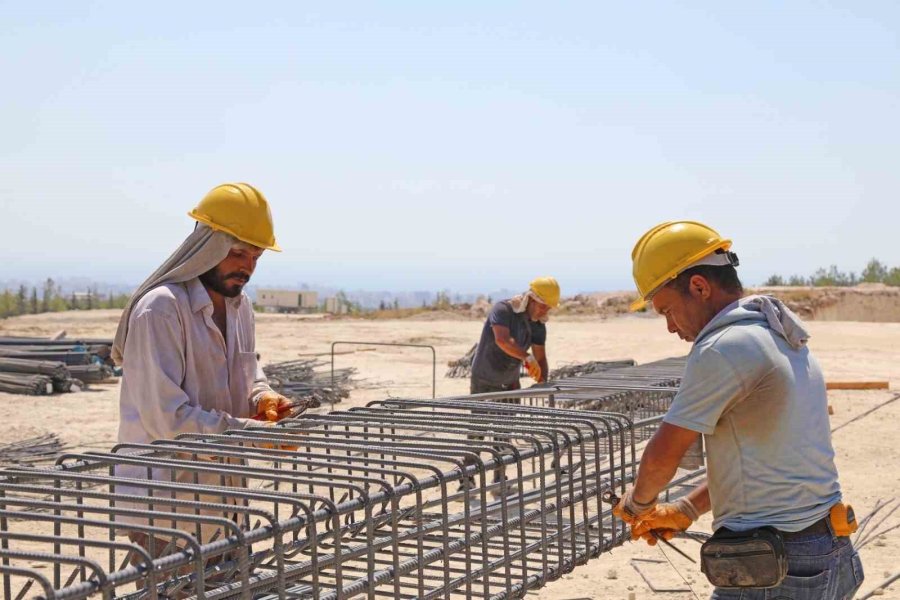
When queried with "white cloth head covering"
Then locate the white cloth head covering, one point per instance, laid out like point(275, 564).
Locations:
point(201, 251)
point(520, 303)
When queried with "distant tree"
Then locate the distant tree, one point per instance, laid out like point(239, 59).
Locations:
point(797, 280)
point(58, 301)
point(7, 304)
point(875, 272)
point(396, 304)
point(442, 300)
point(47, 295)
point(73, 302)
point(893, 277)
point(832, 277)
point(382, 305)
point(22, 300)
point(90, 299)
point(35, 305)
point(774, 280)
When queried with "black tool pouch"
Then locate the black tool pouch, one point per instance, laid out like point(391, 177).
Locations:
point(745, 559)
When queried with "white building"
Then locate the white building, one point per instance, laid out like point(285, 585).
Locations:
point(287, 300)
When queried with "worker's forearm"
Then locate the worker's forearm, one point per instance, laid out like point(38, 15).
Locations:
point(512, 348)
point(699, 497)
point(545, 370)
point(655, 472)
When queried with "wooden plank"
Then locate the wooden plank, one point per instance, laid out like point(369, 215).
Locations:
point(857, 385)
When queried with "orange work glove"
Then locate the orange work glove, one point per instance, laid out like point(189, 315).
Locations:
point(272, 406)
point(533, 368)
point(630, 510)
point(665, 520)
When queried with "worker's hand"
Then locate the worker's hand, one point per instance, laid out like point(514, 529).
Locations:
point(272, 406)
point(665, 520)
point(630, 510)
point(533, 368)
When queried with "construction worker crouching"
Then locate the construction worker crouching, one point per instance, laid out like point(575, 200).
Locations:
point(512, 328)
point(754, 391)
point(186, 341)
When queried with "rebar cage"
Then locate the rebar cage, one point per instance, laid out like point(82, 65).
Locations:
point(463, 497)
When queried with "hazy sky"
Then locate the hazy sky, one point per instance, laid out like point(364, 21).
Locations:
point(462, 145)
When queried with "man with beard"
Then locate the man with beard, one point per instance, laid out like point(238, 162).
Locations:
point(186, 340)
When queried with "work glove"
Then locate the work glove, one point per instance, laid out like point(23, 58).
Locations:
point(533, 368)
point(630, 510)
point(665, 520)
point(272, 406)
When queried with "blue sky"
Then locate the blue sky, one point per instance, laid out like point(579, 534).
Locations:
point(464, 145)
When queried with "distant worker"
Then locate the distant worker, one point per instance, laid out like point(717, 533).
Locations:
point(753, 389)
point(512, 328)
point(186, 340)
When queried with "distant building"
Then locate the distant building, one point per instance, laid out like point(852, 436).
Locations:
point(335, 306)
point(287, 300)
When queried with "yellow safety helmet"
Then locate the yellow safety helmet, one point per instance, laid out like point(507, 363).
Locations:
point(240, 210)
point(671, 248)
point(547, 289)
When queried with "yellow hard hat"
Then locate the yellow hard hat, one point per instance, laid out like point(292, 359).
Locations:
point(240, 210)
point(668, 249)
point(547, 289)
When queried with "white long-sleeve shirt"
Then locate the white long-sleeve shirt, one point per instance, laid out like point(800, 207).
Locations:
point(181, 376)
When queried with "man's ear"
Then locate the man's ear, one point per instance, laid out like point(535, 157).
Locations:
point(700, 287)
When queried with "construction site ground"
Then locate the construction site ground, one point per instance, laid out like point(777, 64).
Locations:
point(868, 450)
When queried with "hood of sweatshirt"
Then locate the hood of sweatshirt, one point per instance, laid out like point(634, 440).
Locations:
point(773, 311)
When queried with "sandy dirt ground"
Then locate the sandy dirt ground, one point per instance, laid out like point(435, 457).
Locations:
point(868, 450)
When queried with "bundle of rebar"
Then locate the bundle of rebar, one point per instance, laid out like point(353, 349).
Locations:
point(299, 380)
point(53, 369)
point(23, 383)
point(31, 451)
point(93, 373)
point(68, 364)
point(457, 497)
point(588, 368)
point(461, 367)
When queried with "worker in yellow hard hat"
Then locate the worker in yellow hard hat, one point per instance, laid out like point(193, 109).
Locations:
point(755, 393)
point(513, 327)
point(186, 340)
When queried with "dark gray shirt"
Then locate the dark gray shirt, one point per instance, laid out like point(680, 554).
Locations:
point(491, 363)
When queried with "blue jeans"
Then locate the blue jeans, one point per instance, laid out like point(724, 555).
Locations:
point(820, 567)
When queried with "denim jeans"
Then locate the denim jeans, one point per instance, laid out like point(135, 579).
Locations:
point(820, 567)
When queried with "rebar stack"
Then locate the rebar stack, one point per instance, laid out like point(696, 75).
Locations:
point(41, 449)
point(453, 498)
point(37, 366)
point(462, 366)
point(299, 380)
point(589, 368)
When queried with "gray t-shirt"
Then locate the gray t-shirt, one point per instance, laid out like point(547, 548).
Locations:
point(491, 363)
point(759, 400)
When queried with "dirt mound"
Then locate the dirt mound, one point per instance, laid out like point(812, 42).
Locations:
point(873, 302)
point(603, 304)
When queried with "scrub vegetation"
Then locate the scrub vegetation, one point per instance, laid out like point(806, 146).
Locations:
point(875, 272)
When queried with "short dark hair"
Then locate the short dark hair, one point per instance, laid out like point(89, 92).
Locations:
point(725, 277)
